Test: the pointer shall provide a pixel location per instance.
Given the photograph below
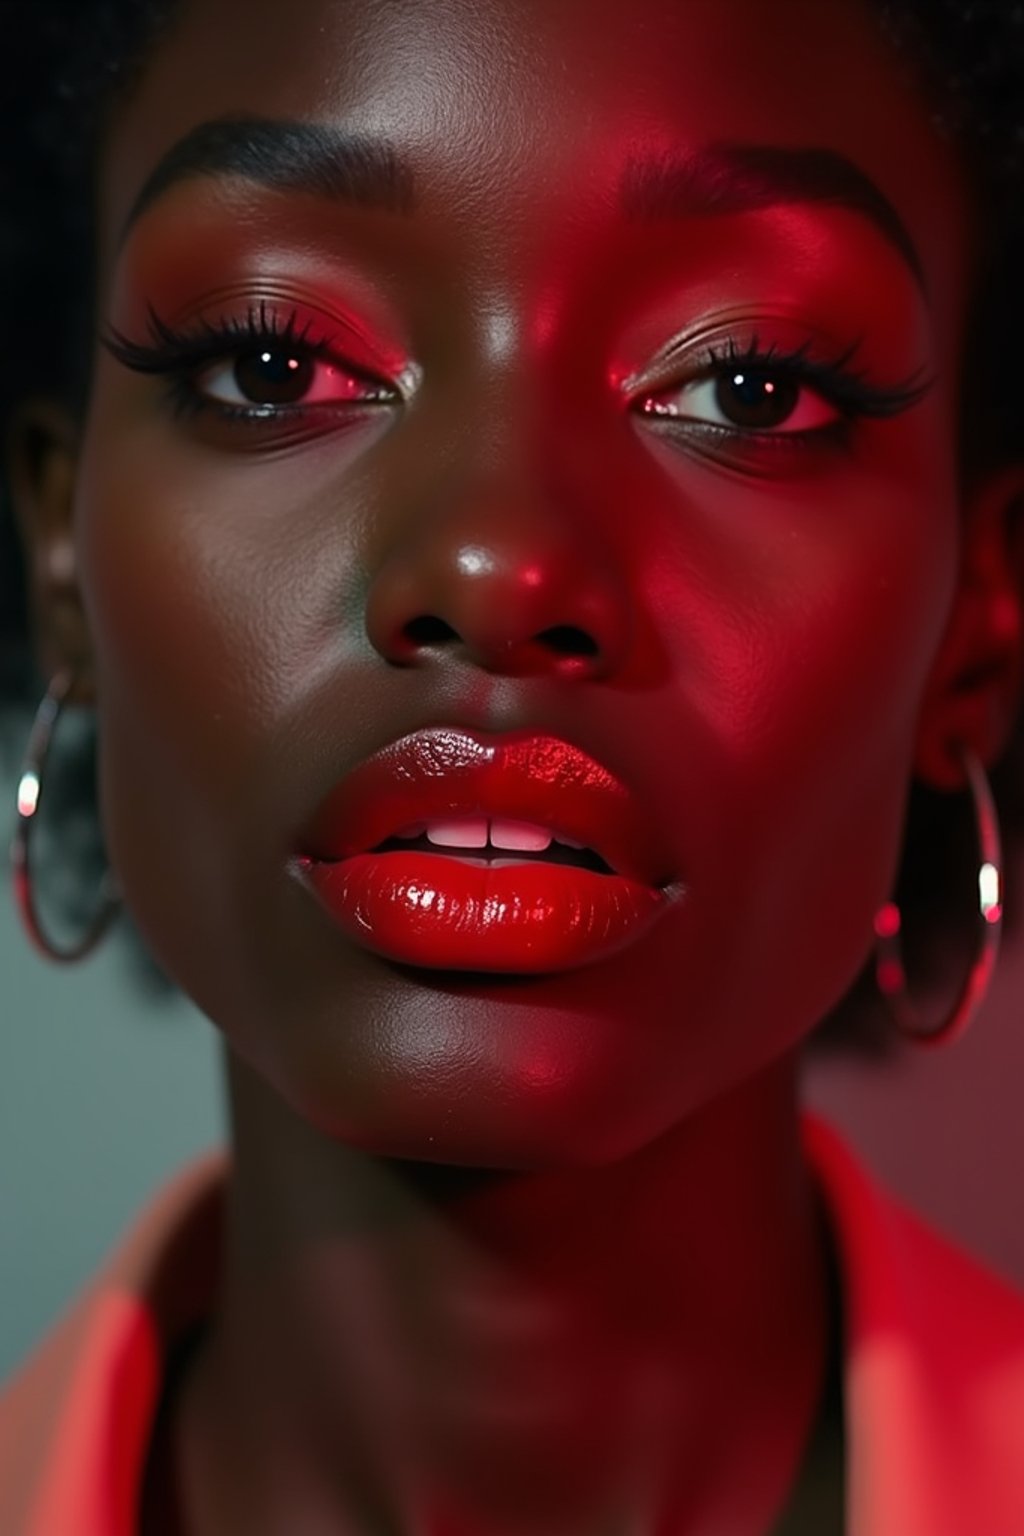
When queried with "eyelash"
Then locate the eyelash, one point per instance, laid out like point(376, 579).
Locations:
point(178, 355)
point(833, 379)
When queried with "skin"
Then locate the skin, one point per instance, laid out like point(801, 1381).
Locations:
point(490, 1241)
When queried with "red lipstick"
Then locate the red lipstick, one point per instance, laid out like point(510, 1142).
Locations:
point(370, 859)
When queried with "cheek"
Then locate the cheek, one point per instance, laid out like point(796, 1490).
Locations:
point(217, 588)
point(805, 620)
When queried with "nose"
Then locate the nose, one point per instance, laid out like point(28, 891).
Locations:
point(506, 581)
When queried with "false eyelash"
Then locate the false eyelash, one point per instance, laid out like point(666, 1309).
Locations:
point(176, 355)
point(170, 350)
point(837, 382)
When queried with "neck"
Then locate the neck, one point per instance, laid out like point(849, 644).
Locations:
point(413, 1348)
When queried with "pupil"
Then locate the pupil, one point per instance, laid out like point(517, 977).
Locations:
point(270, 377)
point(749, 398)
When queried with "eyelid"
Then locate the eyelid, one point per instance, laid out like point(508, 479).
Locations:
point(741, 328)
point(219, 372)
point(180, 351)
point(848, 389)
point(698, 351)
point(834, 411)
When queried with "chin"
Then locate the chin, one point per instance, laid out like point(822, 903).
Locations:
point(475, 1119)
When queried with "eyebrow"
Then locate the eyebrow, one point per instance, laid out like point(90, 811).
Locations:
point(727, 178)
point(719, 179)
point(284, 155)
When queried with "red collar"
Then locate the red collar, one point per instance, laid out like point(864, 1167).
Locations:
point(933, 1375)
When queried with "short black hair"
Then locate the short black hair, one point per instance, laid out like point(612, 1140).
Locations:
point(69, 61)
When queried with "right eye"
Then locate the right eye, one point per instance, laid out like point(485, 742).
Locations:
point(282, 374)
point(253, 368)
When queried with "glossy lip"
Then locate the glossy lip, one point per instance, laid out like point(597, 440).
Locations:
point(447, 771)
point(470, 915)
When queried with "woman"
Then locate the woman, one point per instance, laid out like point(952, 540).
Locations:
point(513, 422)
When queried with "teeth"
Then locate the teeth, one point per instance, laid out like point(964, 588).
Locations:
point(473, 832)
point(467, 832)
point(524, 836)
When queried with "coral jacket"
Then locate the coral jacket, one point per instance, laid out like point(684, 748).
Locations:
point(933, 1373)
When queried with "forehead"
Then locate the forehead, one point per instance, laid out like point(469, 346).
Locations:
point(512, 114)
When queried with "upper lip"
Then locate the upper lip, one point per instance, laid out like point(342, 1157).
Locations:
point(444, 771)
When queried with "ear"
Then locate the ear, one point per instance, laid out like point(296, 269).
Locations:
point(41, 461)
point(975, 686)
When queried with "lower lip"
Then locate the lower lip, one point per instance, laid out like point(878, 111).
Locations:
point(447, 912)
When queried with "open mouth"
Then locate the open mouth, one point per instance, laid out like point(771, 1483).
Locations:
point(554, 853)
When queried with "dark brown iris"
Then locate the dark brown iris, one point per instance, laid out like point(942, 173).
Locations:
point(273, 376)
point(754, 398)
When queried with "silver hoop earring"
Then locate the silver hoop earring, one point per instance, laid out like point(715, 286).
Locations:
point(30, 790)
point(889, 973)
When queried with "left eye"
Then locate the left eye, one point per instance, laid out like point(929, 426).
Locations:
point(265, 375)
point(746, 398)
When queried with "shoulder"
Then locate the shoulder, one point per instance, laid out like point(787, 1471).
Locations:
point(76, 1417)
point(934, 1372)
point(894, 1261)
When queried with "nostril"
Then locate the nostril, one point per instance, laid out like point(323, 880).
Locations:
point(569, 640)
point(427, 630)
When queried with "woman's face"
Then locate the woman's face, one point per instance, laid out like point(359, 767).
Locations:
point(497, 446)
